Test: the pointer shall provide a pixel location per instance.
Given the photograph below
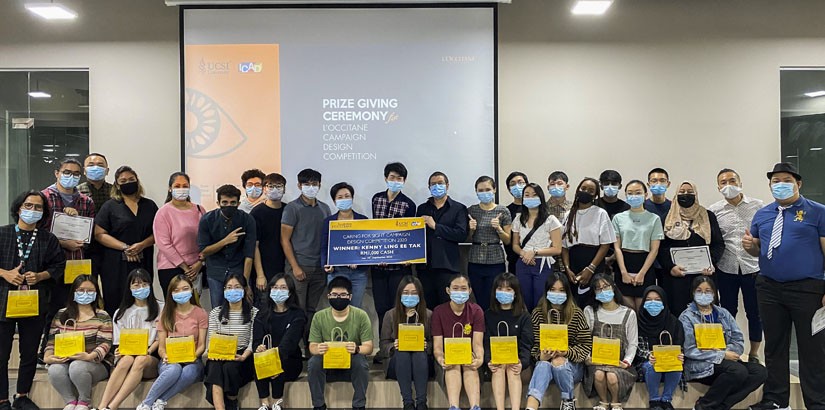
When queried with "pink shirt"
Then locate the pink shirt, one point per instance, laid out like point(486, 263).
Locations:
point(186, 325)
point(176, 235)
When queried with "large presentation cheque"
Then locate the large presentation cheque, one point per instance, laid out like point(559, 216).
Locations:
point(376, 241)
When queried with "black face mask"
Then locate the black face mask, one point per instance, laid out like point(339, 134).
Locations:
point(686, 200)
point(229, 211)
point(584, 197)
point(339, 304)
point(129, 188)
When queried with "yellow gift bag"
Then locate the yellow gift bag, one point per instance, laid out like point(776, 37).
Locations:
point(667, 356)
point(553, 337)
point(458, 350)
point(222, 346)
point(503, 349)
point(68, 344)
point(337, 356)
point(411, 336)
point(22, 303)
point(180, 349)
point(134, 341)
point(75, 268)
point(606, 351)
point(268, 362)
point(709, 336)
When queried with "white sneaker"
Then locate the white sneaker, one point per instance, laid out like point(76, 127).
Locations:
point(263, 407)
point(70, 406)
point(81, 407)
point(142, 406)
point(159, 405)
point(277, 405)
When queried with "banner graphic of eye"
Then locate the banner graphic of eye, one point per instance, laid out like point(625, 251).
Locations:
point(210, 130)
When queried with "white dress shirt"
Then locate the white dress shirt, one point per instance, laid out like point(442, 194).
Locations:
point(733, 220)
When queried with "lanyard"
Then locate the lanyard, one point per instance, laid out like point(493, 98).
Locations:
point(24, 256)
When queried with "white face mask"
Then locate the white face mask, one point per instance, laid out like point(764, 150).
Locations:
point(310, 191)
point(180, 193)
point(730, 191)
point(275, 194)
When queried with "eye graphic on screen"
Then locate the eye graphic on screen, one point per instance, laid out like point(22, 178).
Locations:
point(210, 130)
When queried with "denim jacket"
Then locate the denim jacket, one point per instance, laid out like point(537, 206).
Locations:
point(699, 363)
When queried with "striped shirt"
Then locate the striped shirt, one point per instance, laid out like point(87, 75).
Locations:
point(580, 341)
point(235, 326)
point(97, 332)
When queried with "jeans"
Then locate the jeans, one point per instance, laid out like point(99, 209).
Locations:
point(481, 278)
point(653, 378)
point(730, 383)
point(729, 285)
point(173, 379)
point(30, 330)
point(358, 372)
point(532, 279)
point(566, 376)
point(74, 380)
point(358, 277)
point(410, 369)
point(385, 289)
point(215, 291)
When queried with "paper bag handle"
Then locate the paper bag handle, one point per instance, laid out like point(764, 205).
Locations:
point(557, 314)
point(498, 327)
point(416, 318)
point(66, 324)
point(601, 331)
point(460, 327)
point(668, 335)
point(267, 341)
point(340, 331)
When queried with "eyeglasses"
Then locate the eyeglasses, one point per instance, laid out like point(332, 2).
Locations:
point(67, 173)
point(274, 186)
point(239, 287)
point(86, 291)
point(604, 289)
point(29, 206)
point(255, 184)
point(705, 292)
point(338, 295)
point(411, 292)
point(280, 287)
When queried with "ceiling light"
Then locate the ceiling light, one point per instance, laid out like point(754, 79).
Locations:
point(48, 149)
point(39, 94)
point(51, 11)
point(72, 155)
point(816, 149)
point(791, 156)
point(591, 7)
point(815, 94)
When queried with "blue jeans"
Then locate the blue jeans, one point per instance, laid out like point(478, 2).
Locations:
point(653, 378)
point(566, 376)
point(215, 292)
point(358, 277)
point(532, 279)
point(173, 379)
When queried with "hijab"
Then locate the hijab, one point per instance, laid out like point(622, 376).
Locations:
point(650, 327)
point(680, 222)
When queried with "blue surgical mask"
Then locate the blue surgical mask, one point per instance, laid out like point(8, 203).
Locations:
point(438, 190)
point(310, 191)
point(556, 298)
point(395, 186)
point(782, 190)
point(605, 295)
point(556, 191)
point(182, 297)
point(505, 298)
point(654, 307)
point(233, 295)
point(30, 216)
point(531, 203)
point(84, 298)
point(658, 189)
point(459, 297)
point(279, 295)
point(69, 181)
point(703, 299)
point(517, 190)
point(410, 301)
point(95, 173)
point(485, 197)
point(635, 201)
point(343, 204)
point(254, 192)
point(611, 190)
point(141, 293)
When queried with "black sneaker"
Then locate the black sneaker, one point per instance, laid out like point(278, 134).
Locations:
point(6, 405)
point(359, 408)
point(421, 406)
point(568, 404)
point(324, 407)
point(24, 403)
point(667, 405)
point(409, 406)
point(768, 405)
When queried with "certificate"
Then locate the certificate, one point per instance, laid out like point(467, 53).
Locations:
point(694, 259)
point(77, 228)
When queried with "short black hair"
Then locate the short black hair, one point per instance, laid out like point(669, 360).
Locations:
point(657, 171)
point(484, 178)
point(97, 154)
point(610, 175)
point(309, 175)
point(252, 173)
point(516, 174)
point(723, 170)
point(229, 191)
point(339, 186)
point(558, 175)
point(636, 181)
point(340, 282)
point(18, 202)
point(438, 174)
point(69, 161)
point(274, 178)
point(396, 167)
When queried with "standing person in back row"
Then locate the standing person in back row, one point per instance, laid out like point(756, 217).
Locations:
point(516, 182)
point(253, 182)
point(557, 185)
point(611, 183)
point(447, 225)
point(658, 181)
point(738, 269)
point(269, 254)
point(788, 235)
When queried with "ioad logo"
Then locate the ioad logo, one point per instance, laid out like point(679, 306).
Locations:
point(250, 67)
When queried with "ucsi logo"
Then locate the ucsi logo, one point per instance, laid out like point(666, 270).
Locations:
point(250, 67)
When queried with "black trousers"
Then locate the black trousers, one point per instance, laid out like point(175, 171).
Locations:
point(30, 330)
point(730, 383)
point(292, 369)
point(435, 283)
point(165, 277)
point(385, 289)
point(780, 306)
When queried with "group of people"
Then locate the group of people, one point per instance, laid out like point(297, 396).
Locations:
point(597, 265)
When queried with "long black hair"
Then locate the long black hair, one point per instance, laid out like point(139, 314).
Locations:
point(525, 211)
point(172, 179)
point(574, 209)
point(72, 311)
point(246, 307)
point(617, 294)
point(142, 276)
point(506, 279)
point(700, 279)
point(21, 199)
point(292, 300)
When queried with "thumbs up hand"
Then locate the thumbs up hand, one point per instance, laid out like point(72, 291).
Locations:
point(747, 240)
point(473, 223)
point(496, 222)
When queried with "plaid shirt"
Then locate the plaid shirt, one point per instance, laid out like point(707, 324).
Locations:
point(99, 196)
point(82, 203)
point(400, 207)
point(559, 211)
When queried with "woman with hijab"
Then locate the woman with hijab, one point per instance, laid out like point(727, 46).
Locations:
point(687, 224)
point(655, 324)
